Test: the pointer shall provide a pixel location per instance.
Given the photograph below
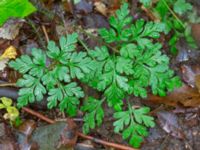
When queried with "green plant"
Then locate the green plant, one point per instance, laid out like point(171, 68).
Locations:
point(12, 112)
point(55, 77)
point(15, 8)
point(132, 64)
point(131, 122)
point(169, 13)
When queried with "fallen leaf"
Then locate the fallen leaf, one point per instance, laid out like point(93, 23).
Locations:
point(169, 123)
point(197, 82)
point(69, 136)
point(11, 29)
point(3, 64)
point(7, 140)
point(24, 133)
point(101, 7)
point(68, 6)
point(27, 127)
point(83, 7)
point(95, 21)
point(189, 73)
point(185, 95)
point(196, 33)
point(9, 53)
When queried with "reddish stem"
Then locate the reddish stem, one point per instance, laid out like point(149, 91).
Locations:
point(105, 143)
point(34, 113)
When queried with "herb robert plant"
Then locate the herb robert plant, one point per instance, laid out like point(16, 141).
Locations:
point(136, 64)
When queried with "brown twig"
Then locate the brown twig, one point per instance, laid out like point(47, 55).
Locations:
point(149, 14)
point(105, 143)
point(45, 33)
point(109, 144)
point(7, 84)
point(34, 113)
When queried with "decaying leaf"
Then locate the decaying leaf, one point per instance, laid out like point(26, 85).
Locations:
point(186, 96)
point(189, 94)
point(101, 7)
point(27, 127)
point(9, 53)
point(11, 29)
point(7, 140)
point(197, 82)
point(196, 33)
point(84, 7)
point(169, 123)
point(189, 73)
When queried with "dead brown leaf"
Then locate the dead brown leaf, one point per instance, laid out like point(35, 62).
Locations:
point(101, 8)
point(197, 82)
point(11, 29)
point(186, 96)
point(196, 33)
point(169, 123)
point(9, 53)
point(189, 73)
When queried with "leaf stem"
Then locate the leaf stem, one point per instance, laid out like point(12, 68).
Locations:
point(130, 111)
point(99, 39)
point(172, 12)
point(84, 45)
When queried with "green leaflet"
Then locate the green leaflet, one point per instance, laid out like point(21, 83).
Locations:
point(117, 32)
point(79, 64)
point(178, 26)
point(31, 90)
point(68, 96)
point(35, 65)
point(23, 64)
point(15, 8)
point(146, 3)
point(55, 78)
point(94, 114)
point(69, 105)
point(181, 7)
point(133, 124)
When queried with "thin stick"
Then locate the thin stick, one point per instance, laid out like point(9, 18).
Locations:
point(45, 33)
point(117, 146)
point(105, 143)
point(7, 84)
point(42, 117)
